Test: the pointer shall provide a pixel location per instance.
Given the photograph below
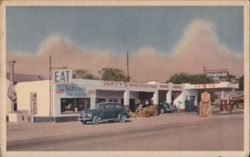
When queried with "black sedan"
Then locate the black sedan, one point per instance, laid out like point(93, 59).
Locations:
point(104, 112)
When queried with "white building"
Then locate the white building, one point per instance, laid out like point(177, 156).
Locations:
point(62, 98)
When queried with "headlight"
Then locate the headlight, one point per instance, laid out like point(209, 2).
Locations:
point(89, 114)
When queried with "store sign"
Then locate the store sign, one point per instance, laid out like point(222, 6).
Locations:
point(216, 76)
point(62, 76)
point(200, 86)
point(128, 84)
point(71, 90)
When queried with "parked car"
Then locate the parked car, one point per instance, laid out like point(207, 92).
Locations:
point(108, 111)
point(164, 107)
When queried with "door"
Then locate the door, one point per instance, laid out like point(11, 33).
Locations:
point(117, 110)
point(33, 101)
point(108, 112)
point(33, 105)
point(132, 105)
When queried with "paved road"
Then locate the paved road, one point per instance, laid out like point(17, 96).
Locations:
point(217, 133)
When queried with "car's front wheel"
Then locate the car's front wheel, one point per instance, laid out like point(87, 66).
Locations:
point(95, 120)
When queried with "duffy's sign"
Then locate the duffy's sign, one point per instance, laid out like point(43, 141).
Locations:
point(128, 84)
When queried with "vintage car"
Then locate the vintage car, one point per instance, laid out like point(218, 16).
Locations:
point(164, 107)
point(108, 111)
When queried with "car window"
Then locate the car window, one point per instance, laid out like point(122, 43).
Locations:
point(99, 106)
point(109, 106)
point(118, 106)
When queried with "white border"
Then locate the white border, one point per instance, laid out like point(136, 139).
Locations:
point(3, 95)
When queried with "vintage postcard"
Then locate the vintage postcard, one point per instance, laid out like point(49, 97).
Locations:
point(125, 78)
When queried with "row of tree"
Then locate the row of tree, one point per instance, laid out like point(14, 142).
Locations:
point(114, 74)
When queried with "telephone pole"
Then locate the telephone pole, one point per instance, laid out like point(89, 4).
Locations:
point(50, 90)
point(128, 78)
point(204, 77)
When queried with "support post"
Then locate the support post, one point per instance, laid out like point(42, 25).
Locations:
point(92, 101)
point(156, 97)
point(169, 97)
point(126, 98)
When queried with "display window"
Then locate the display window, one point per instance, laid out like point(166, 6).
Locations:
point(74, 105)
point(113, 100)
point(100, 100)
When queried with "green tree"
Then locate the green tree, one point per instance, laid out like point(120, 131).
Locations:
point(193, 79)
point(112, 74)
point(187, 78)
point(231, 78)
point(241, 83)
point(83, 74)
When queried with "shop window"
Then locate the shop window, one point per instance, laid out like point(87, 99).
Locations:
point(67, 105)
point(82, 104)
point(100, 100)
point(113, 100)
point(74, 105)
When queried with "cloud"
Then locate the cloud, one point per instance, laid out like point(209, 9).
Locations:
point(198, 47)
point(198, 30)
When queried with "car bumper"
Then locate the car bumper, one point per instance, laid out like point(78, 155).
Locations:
point(84, 117)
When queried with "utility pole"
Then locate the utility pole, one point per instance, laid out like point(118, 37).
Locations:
point(204, 77)
point(128, 67)
point(12, 83)
point(12, 77)
point(50, 89)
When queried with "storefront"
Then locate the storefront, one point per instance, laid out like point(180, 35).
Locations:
point(62, 99)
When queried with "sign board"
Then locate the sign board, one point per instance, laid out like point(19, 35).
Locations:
point(218, 75)
point(205, 97)
point(71, 90)
point(62, 76)
point(128, 84)
point(201, 86)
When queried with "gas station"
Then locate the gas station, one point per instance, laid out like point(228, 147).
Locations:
point(61, 98)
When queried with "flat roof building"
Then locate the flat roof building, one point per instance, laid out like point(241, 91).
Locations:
point(62, 98)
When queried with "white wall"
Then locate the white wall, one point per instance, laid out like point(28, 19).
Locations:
point(115, 94)
point(182, 97)
point(8, 107)
point(179, 101)
point(23, 91)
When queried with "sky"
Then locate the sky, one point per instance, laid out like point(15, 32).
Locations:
point(161, 40)
point(118, 28)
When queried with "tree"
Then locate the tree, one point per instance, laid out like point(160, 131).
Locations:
point(83, 74)
point(193, 79)
point(187, 78)
point(241, 83)
point(112, 74)
point(230, 78)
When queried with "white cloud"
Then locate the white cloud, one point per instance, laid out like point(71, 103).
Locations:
point(198, 47)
